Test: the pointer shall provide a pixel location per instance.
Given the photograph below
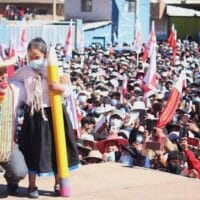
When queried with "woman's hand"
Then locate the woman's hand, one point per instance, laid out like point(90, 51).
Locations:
point(57, 87)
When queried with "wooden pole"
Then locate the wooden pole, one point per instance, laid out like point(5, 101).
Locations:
point(54, 9)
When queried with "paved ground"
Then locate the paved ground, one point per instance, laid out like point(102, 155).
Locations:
point(113, 182)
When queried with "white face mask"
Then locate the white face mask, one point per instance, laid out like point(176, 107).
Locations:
point(37, 64)
point(116, 123)
point(114, 102)
point(111, 157)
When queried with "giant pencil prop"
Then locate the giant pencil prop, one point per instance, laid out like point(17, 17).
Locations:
point(58, 126)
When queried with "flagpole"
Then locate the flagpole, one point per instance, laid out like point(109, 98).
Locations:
point(137, 58)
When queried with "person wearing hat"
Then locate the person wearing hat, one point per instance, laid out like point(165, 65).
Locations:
point(11, 158)
point(101, 130)
point(111, 147)
point(88, 141)
point(94, 156)
point(116, 121)
point(82, 152)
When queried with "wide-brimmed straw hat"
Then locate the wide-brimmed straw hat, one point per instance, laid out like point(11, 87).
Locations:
point(94, 154)
point(119, 140)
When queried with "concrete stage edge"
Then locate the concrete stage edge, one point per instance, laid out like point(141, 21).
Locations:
point(111, 181)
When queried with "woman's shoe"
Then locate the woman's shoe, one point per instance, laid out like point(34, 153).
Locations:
point(12, 189)
point(33, 193)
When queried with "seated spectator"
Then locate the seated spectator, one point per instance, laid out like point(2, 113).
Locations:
point(111, 148)
point(130, 156)
point(93, 157)
point(87, 140)
point(175, 162)
point(192, 161)
point(82, 152)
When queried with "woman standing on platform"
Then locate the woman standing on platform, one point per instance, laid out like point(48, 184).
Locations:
point(36, 139)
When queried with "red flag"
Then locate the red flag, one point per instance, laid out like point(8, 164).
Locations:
point(10, 69)
point(150, 78)
point(124, 88)
point(23, 37)
point(151, 40)
point(172, 103)
point(23, 42)
point(68, 43)
point(111, 49)
point(21, 51)
point(172, 42)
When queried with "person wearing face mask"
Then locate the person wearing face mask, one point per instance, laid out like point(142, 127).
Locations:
point(115, 122)
point(111, 148)
point(114, 102)
point(37, 128)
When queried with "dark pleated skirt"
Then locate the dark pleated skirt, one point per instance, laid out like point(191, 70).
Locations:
point(37, 144)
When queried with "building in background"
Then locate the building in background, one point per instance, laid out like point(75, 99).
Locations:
point(88, 10)
point(40, 9)
point(184, 14)
point(105, 21)
point(108, 21)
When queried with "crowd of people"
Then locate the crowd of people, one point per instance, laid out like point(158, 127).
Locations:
point(110, 124)
point(123, 128)
point(11, 12)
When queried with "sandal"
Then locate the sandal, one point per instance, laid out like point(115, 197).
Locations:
point(33, 193)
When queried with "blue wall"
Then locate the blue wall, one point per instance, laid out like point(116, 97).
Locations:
point(123, 23)
point(144, 15)
point(101, 35)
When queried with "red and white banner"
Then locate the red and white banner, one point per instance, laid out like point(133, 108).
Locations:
point(10, 69)
point(68, 42)
point(111, 49)
point(169, 110)
point(123, 88)
point(172, 42)
point(150, 80)
point(150, 42)
point(23, 38)
point(137, 45)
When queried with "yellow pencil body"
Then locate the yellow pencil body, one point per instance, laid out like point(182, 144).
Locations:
point(59, 131)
